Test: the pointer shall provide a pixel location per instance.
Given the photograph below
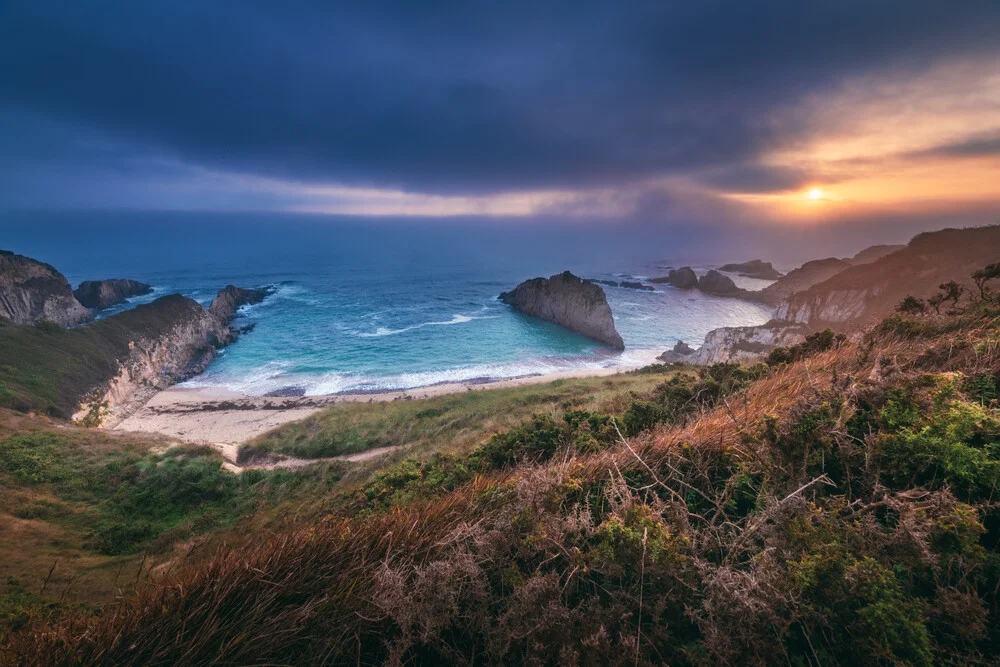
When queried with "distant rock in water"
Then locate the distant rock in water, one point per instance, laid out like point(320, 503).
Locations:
point(755, 268)
point(627, 284)
point(714, 282)
point(100, 294)
point(680, 347)
point(231, 298)
point(684, 278)
point(566, 300)
point(31, 291)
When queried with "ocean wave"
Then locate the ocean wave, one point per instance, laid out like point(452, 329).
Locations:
point(456, 319)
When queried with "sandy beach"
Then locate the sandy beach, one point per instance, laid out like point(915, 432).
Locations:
point(223, 418)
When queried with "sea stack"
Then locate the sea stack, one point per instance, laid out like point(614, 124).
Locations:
point(100, 294)
point(755, 268)
point(714, 282)
point(31, 291)
point(571, 302)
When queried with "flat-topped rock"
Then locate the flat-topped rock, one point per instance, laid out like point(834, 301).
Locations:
point(755, 268)
point(571, 302)
point(99, 294)
point(31, 291)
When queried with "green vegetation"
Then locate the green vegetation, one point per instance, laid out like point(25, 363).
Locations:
point(840, 511)
point(48, 369)
point(453, 423)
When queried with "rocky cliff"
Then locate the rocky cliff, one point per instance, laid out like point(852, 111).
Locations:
point(872, 253)
point(566, 300)
point(100, 294)
point(154, 346)
point(739, 344)
point(31, 291)
point(802, 278)
point(861, 294)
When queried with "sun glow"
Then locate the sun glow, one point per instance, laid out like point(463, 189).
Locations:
point(815, 194)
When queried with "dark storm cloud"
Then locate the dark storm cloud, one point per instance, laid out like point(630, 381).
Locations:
point(459, 97)
point(988, 146)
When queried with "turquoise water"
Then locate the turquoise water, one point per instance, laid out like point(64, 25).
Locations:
point(376, 307)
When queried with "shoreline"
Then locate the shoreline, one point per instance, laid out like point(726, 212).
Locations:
point(221, 416)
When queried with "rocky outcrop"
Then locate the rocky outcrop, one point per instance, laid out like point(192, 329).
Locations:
point(684, 278)
point(755, 268)
point(231, 298)
point(99, 294)
point(714, 282)
point(872, 253)
point(802, 278)
point(31, 291)
point(862, 294)
point(564, 299)
point(155, 345)
point(739, 344)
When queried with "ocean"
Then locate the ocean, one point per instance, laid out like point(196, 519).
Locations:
point(374, 305)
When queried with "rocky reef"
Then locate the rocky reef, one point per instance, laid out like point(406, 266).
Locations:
point(571, 302)
point(31, 291)
point(755, 268)
point(684, 278)
point(627, 284)
point(99, 294)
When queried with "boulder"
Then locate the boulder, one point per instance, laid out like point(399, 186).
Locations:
point(684, 278)
point(714, 282)
point(31, 291)
point(571, 302)
point(755, 268)
point(98, 294)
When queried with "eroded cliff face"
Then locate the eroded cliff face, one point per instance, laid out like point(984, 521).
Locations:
point(159, 344)
point(31, 291)
point(862, 294)
point(566, 300)
point(740, 343)
point(100, 294)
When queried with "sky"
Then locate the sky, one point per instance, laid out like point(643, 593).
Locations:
point(723, 112)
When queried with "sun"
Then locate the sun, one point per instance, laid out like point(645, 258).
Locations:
point(815, 194)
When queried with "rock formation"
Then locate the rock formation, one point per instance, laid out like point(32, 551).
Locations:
point(684, 278)
point(714, 282)
point(564, 299)
point(231, 298)
point(100, 294)
point(802, 278)
point(755, 268)
point(155, 345)
point(738, 344)
point(861, 294)
point(31, 291)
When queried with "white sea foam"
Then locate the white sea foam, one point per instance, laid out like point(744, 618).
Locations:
point(456, 319)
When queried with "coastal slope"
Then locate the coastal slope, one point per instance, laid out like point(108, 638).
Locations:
point(31, 291)
point(571, 302)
